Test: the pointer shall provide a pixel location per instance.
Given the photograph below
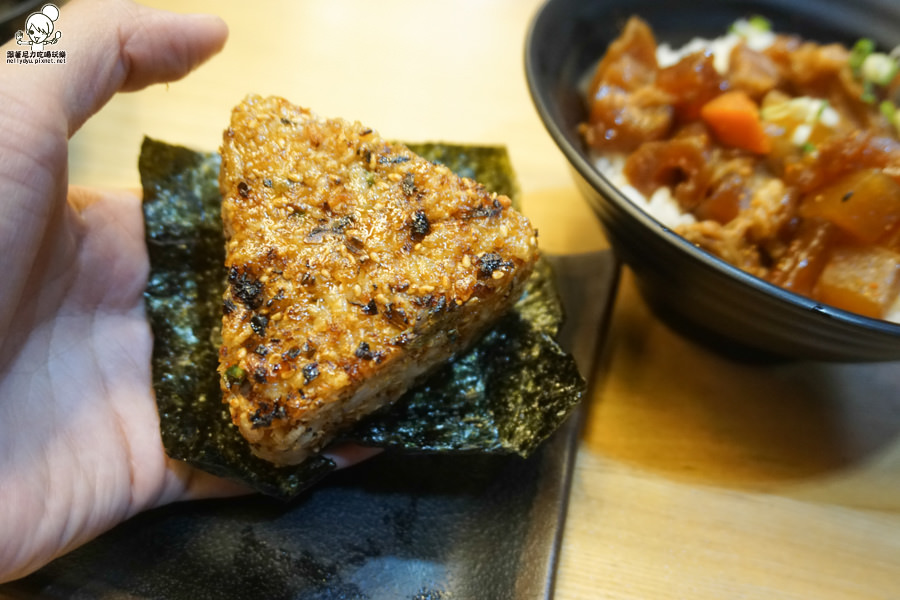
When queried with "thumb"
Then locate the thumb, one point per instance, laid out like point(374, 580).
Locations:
point(110, 45)
point(115, 45)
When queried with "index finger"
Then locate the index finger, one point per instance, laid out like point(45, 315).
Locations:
point(111, 46)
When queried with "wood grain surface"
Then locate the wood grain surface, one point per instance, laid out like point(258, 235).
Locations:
point(697, 477)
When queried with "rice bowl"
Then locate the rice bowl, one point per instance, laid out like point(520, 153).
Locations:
point(700, 295)
point(765, 216)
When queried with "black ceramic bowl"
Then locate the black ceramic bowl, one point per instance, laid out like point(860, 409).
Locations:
point(692, 290)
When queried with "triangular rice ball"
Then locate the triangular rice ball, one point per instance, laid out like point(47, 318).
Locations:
point(355, 267)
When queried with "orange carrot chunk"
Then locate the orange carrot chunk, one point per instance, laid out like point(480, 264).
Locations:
point(734, 119)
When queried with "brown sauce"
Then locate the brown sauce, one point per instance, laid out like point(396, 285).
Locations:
point(789, 161)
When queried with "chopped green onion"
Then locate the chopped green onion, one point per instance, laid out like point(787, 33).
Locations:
point(760, 23)
point(753, 25)
point(879, 68)
point(872, 68)
point(868, 94)
point(822, 106)
point(808, 148)
point(235, 373)
point(858, 54)
point(891, 113)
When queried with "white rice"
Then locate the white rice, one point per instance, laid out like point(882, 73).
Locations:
point(662, 205)
point(721, 47)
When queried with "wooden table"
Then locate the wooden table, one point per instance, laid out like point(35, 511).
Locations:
point(696, 477)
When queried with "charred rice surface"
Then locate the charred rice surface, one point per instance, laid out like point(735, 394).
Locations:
point(355, 267)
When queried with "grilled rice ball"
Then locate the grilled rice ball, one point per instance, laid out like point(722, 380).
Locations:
point(354, 268)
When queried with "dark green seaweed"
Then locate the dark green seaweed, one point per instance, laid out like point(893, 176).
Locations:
point(505, 395)
point(186, 245)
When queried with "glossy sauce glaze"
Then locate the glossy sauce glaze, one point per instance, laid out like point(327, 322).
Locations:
point(355, 268)
point(784, 154)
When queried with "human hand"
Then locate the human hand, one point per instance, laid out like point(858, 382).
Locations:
point(79, 443)
point(80, 447)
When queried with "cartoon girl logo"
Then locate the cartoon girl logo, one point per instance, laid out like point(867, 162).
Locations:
point(39, 26)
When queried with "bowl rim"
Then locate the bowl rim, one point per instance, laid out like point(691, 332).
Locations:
point(579, 160)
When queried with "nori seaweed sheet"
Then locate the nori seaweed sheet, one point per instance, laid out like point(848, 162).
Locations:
point(505, 395)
